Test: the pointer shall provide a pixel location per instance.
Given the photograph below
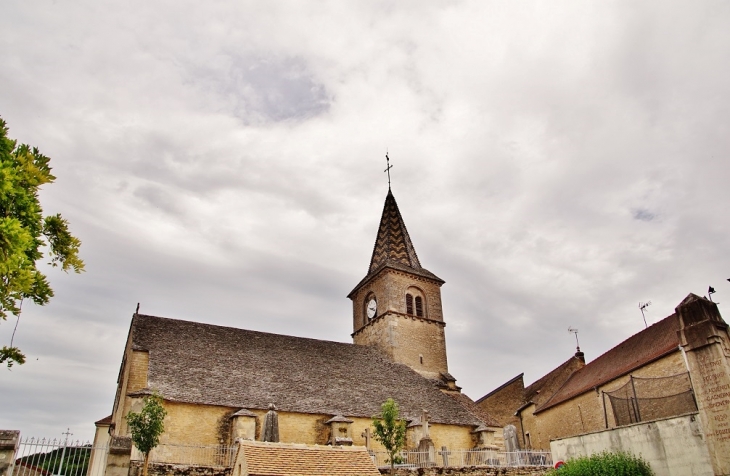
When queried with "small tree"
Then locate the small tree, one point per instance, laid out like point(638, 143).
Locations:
point(390, 430)
point(147, 426)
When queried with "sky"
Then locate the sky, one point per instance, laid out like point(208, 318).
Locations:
point(556, 163)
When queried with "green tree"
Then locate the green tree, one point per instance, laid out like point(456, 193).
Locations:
point(24, 231)
point(147, 426)
point(390, 430)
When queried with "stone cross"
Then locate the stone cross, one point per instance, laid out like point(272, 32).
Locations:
point(424, 424)
point(367, 435)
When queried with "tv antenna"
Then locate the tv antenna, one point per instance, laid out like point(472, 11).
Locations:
point(575, 331)
point(642, 307)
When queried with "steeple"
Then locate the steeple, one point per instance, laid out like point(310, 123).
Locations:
point(396, 307)
point(393, 243)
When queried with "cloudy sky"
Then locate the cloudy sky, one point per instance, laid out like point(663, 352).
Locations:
point(222, 161)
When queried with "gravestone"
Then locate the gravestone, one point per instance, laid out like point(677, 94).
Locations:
point(270, 431)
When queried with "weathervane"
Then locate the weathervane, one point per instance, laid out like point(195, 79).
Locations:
point(642, 307)
point(387, 169)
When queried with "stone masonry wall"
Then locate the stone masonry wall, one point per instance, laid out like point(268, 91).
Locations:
point(162, 469)
point(585, 413)
point(502, 404)
point(418, 343)
point(390, 288)
point(189, 424)
point(468, 471)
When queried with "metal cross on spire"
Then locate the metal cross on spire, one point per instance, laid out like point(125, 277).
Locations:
point(387, 169)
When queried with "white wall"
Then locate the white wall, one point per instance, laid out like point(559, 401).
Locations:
point(672, 446)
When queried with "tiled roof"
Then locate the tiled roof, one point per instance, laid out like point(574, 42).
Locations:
point(281, 459)
point(214, 365)
point(104, 421)
point(469, 404)
point(638, 350)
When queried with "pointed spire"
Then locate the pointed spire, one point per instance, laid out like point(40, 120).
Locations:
point(393, 245)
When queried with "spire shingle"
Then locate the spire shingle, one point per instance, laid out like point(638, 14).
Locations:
point(393, 245)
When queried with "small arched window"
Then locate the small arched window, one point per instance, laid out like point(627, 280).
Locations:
point(419, 306)
point(409, 304)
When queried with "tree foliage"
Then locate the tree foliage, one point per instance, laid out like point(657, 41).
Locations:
point(390, 430)
point(25, 232)
point(605, 464)
point(147, 426)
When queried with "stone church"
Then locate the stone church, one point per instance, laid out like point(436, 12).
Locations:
point(218, 382)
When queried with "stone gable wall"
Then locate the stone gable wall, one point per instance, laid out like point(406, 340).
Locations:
point(502, 404)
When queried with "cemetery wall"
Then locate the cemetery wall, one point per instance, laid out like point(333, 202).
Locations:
point(672, 446)
point(162, 469)
point(468, 471)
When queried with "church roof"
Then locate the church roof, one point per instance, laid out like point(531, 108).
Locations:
point(286, 459)
point(652, 343)
point(393, 246)
point(207, 364)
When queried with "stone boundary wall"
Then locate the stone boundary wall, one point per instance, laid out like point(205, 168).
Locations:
point(469, 471)
point(672, 446)
point(165, 469)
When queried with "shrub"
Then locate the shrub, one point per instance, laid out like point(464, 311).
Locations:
point(605, 464)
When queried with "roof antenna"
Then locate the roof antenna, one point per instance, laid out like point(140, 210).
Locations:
point(137, 310)
point(575, 331)
point(642, 308)
point(387, 169)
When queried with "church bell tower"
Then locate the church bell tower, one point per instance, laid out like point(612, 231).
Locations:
point(397, 306)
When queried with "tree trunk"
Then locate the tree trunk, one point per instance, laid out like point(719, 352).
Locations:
point(392, 464)
point(146, 463)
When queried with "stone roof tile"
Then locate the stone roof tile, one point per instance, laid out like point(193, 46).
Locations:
point(207, 364)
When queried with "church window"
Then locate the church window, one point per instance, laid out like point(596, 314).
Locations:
point(420, 356)
point(409, 304)
point(419, 306)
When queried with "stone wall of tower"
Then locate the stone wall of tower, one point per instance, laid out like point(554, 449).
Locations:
point(390, 288)
point(415, 342)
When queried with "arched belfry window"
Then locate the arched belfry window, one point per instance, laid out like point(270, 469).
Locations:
point(415, 302)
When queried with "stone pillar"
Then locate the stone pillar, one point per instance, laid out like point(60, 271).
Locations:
point(243, 425)
point(120, 455)
point(704, 339)
point(340, 431)
point(485, 438)
point(9, 442)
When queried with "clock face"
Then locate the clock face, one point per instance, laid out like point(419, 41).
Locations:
point(372, 308)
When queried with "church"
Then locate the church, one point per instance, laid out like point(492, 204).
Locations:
point(218, 383)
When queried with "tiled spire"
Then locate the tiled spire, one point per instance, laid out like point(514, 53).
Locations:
point(393, 245)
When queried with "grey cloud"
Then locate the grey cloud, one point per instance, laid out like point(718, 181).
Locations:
point(643, 214)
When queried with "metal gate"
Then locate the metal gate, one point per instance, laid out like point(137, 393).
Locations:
point(59, 457)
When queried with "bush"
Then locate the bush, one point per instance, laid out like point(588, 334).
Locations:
point(605, 464)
